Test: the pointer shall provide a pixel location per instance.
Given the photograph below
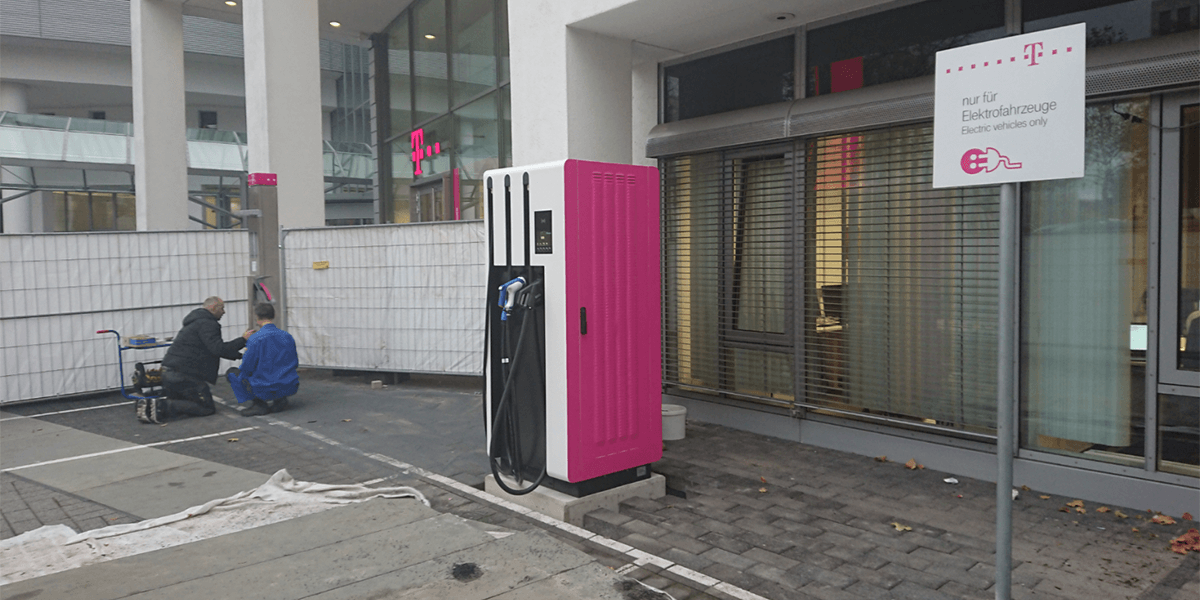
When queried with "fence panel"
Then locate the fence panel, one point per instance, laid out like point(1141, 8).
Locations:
point(58, 289)
point(400, 298)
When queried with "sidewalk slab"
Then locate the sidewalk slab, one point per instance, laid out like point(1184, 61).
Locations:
point(171, 490)
point(30, 441)
point(471, 574)
point(311, 547)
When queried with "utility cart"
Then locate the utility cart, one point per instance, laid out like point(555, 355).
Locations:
point(146, 381)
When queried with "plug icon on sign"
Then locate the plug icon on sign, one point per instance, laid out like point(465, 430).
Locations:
point(976, 161)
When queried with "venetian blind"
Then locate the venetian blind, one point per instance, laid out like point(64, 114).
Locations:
point(887, 287)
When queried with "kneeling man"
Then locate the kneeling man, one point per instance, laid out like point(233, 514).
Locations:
point(268, 373)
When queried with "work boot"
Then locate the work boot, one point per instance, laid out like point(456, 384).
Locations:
point(257, 408)
point(278, 404)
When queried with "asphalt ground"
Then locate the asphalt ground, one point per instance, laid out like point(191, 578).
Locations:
point(747, 516)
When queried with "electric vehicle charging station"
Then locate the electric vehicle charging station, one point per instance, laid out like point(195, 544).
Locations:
point(573, 389)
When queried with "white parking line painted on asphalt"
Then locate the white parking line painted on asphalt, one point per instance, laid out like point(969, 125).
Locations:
point(63, 412)
point(126, 449)
point(639, 557)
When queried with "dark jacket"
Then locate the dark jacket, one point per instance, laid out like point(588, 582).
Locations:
point(197, 349)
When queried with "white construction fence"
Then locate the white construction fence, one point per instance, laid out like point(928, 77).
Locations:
point(58, 289)
point(395, 298)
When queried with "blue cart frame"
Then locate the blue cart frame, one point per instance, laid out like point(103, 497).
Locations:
point(121, 366)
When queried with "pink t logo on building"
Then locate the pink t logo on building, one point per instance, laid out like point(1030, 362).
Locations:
point(420, 151)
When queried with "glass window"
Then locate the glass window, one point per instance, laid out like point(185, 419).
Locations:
point(505, 127)
point(751, 76)
point(1179, 435)
point(103, 212)
point(474, 58)
point(400, 75)
point(502, 18)
point(127, 212)
point(78, 212)
point(429, 60)
point(402, 178)
point(1114, 21)
point(1083, 286)
point(900, 287)
point(478, 151)
point(1187, 358)
point(896, 44)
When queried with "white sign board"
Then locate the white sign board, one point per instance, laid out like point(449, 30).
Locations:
point(1010, 110)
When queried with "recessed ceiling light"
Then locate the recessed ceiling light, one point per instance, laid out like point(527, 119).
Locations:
point(334, 24)
point(430, 36)
point(230, 3)
point(782, 17)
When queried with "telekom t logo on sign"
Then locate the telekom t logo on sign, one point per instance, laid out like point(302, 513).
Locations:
point(1033, 52)
point(420, 151)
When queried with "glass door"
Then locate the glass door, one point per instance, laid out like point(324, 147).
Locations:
point(1178, 417)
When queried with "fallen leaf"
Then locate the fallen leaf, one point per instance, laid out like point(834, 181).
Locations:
point(1064, 509)
point(911, 464)
point(1078, 503)
point(345, 420)
point(1163, 520)
point(900, 527)
point(1103, 509)
point(1080, 510)
point(881, 459)
point(1025, 488)
point(1135, 530)
point(764, 479)
point(1188, 542)
point(1044, 497)
point(762, 490)
point(232, 440)
point(1121, 515)
point(1187, 517)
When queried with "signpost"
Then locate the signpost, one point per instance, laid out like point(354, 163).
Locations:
point(1008, 111)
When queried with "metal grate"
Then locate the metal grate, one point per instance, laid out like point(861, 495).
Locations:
point(835, 257)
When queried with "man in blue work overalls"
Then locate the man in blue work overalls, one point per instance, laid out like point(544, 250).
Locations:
point(268, 373)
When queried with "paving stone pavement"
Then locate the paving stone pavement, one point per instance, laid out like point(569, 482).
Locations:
point(779, 519)
point(787, 520)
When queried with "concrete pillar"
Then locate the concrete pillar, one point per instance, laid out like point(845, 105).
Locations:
point(283, 104)
point(571, 89)
point(159, 115)
point(14, 97)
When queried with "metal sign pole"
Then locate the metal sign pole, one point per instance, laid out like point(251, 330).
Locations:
point(1005, 388)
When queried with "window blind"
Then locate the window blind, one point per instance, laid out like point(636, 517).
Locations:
point(828, 274)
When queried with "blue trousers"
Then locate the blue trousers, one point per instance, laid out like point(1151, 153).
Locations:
point(244, 392)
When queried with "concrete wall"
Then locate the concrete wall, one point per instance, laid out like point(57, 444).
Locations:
point(572, 90)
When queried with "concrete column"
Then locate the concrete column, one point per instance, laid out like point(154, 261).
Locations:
point(159, 115)
point(14, 97)
point(17, 213)
point(283, 104)
point(571, 88)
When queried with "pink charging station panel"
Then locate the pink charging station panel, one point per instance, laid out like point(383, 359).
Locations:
point(612, 269)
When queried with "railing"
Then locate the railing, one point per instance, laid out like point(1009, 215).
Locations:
point(37, 139)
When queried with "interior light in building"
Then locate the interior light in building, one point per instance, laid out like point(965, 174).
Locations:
point(334, 24)
point(430, 36)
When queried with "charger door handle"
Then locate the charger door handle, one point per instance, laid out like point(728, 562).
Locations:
point(582, 320)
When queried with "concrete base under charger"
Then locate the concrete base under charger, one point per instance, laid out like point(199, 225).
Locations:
point(570, 509)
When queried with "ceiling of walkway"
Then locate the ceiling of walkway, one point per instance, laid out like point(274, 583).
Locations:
point(357, 18)
point(682, 26)
point(687, 26)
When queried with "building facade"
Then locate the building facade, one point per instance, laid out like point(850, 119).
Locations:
point(817, 288)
